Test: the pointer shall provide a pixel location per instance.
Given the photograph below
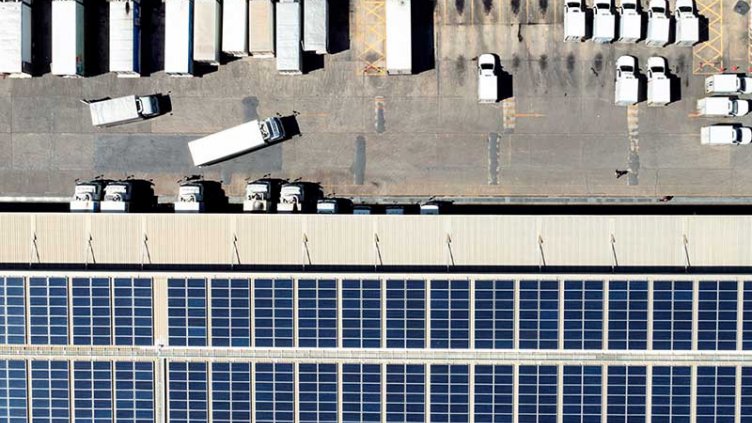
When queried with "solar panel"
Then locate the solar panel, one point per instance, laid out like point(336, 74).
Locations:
point(494, 394)
point(12, 311)
point(317, 313)
point(134, 392)
point(361, 313)
point(187, 312)
point(405, 314)
point(274, 393)
point(583, 315)
point(450, 399)
point(450, 314)
point(494, 314)
point(537, 393)
point(361, 393)
point(49, 392)
point(91, 311)
point(626, 394)
point(133, 311)
point(581, 394)
point(627, 315)
point(187, 393)
point(231, 392)
point(539, 314)
point(317, 384)
point(716, 326)
point(48, 299)
point(273, 320)
point(746, 394)
point(405, 393)
point(672, 315)
point(92, 391)
point(13, 391)
point(231, 312)
point(671, 393)
point(716, 394)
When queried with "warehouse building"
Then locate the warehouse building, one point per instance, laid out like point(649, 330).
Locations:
point(141, 318)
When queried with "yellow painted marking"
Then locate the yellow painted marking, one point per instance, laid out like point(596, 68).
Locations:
point(529, 115)
point(708, 56)
point(509, 112)
point(373, 31)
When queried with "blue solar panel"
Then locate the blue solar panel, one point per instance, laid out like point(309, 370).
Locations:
point(187, 312)
point(91, 311)
point(747, 317)
point(583, 315)
point(746, 395)
point(450, 314)
point(405, 393)
point(539, 314)
point(92, 391)
point(494, 314)
point(48, 300)
point(361, 393)
point(12, 311)
point(274, 393)
point(187, 393)
point(361, 313)
point(133, 311)
point(49, 392)
point(405, 314)
point(231, 392)
point(627, 315)
point(626, 394)
point(231, 313)
point(671, 392)
point(317, 393)
point(134, 392)
point(317, 313)
point(273, 313)
point(581, 394)
point(450, 399)
point(493, 394)
point(537, 394)
point(12, 391)
point(716, 394)
point(716, 326)
point(672, 315)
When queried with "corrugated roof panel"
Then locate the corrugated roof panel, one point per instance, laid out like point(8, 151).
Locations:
point(724, 242)
point(575, 240)
point(494, 240)
point(197, 239)
point(63, 238)
point(340, 240)
point(649, 240)
point(412, 240)
point(269, 239)
point(117, 238)
point(16, 238)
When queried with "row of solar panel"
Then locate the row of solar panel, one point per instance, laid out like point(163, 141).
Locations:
point(83, 391)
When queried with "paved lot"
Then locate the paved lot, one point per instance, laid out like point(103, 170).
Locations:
point(364, 133)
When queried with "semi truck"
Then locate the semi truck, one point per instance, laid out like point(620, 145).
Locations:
point(262, 195)
point(289, 54)
point(488, 80)
point(67, 38)
point(88, 195)
point(722, 107)
point(207, 21)
point(604, 22)
point(627, 85)
point(178, 59)
point(316, 26)
point(659, 86)
point(334, 206)
point(630, 22)
point(125, 38)
point(235, 27)
point(725, 135)
point(299, 197)
point(399, 51)
point(687, 23)
point(728, 84)
point(261, 31)
point(117, 111)
point(658, 24)
point(196, 195)
point(128, 196)
point(235, 141)
point(15, 38)
point(574, 21)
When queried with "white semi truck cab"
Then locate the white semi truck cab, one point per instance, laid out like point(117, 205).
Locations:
point(128, 196)
point(196, 195)
point(722, 107)
point(630, 22)
point(574, 21)
point(687, 23)
point(88, 195)
point(659, 86)
point(262, 195)
point(626, 88)
point(728, 84)
point(117, 111)
point(604, 22)
point(334, 206)
point(488, 80)
point(658, 24)
point(298, 197)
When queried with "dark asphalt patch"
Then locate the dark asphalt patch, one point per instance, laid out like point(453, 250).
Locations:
point(359, 164)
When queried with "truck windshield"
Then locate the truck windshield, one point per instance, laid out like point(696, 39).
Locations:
point(486, 66)
point(657, 69)
point(627, 69)
point(659, 9)
point(685, 9)
point(573, 5)
point(629, 6)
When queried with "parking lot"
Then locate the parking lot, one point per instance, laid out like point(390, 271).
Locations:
point(364, 133)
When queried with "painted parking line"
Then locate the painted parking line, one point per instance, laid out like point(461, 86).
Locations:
point(509, 113)
point(708, 56)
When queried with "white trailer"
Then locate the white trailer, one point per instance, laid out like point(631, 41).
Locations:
point(116, 111)
point(687, 23)
point(261, 28)
point(722, 107)
point(630, 22)
point(574, 21)
point(604, 22)
point(125, 38)
point(399, 50)
point(659, 86)
point(67, 38)
point(658, 24)
point(728, 84)
point(316, 26)
point(235, 27)
point(626, 88)
point(235, 141)
point(179, 37)
point(289, 54)
point(15, 38)
point(207, 20)
point(725, 135)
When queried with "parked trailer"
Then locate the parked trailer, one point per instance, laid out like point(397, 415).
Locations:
point(235, 27)
point(15, 38)
point(261, 31)
point(399, 52)
point(179, 37)
point(316, 26)
point(125, 38)
point(207, 21)
point(289, 55)
point(67, 38)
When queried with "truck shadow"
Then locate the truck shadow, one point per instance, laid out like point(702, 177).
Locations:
point(675, 82)
point(290, 123)
point(423, 50)
point(96, 38)
point(165, 103)
point(339, 26)
point(506, 85)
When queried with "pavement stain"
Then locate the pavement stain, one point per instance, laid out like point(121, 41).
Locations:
point(543, 62)
point(461, 68)
point(543, 6)
point(460, 6)
point(570, 62)
point(487, 6)
point(515, 6)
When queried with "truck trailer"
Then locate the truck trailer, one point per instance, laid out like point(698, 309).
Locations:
point(728, 84)
point(15, 38)
point(722, 107)
point(399, 51)
point(235, 27)
point(235, 141)
point(179, 37)
point(207, 20)
point(725, 135)
point(67, 38)
point(289, 54)
point(261, 31)
point(117, 111)
point(316, 26)
point(125, 38)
